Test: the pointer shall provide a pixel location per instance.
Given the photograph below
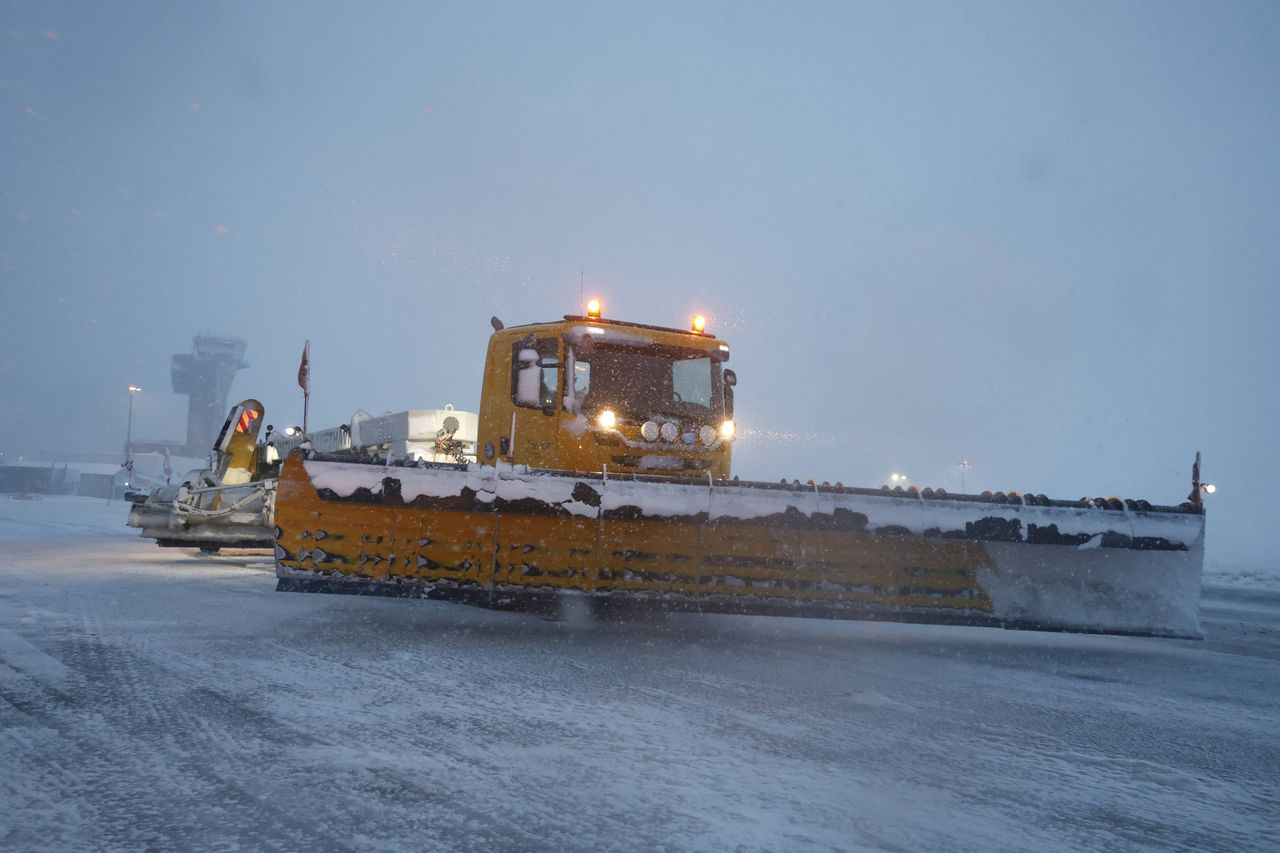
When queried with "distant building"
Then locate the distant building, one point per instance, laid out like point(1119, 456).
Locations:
point(91, 474)
point(205, 375)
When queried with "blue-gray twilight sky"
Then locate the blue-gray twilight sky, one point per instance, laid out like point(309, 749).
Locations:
point(1040, 236)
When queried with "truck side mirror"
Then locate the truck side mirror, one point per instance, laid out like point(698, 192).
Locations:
point(730, 380)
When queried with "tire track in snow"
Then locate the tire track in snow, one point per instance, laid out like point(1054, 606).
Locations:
point(129, 754)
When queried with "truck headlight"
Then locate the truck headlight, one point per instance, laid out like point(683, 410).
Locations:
point(649, 431)
point(708, 435)
point(669, 432)
point(726, 430)
point(607, 419)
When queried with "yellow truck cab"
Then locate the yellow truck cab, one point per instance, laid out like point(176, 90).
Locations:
point(590, 394)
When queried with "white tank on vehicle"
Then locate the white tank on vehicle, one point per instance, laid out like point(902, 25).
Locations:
point(430, 435)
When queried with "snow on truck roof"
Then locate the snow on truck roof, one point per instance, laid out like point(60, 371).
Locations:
point(620, 331)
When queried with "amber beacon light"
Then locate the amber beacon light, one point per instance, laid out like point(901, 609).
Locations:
point(593, 309)
point(699, 323)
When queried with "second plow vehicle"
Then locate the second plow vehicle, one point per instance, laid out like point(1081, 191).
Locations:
point(602, 471)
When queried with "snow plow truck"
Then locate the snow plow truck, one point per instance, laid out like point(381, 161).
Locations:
point(602, 473)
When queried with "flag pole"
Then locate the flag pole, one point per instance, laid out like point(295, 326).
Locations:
point(304, 381)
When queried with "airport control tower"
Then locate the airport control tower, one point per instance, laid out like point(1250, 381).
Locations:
point(205, 375)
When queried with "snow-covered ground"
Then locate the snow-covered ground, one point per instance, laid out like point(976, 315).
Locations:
point(158, 699)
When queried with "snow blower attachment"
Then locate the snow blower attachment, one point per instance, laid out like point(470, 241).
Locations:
point(232, 504)
point(604, 465)
point(226, 505)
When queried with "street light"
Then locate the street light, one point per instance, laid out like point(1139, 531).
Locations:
point(964, 466)
point(128, 437)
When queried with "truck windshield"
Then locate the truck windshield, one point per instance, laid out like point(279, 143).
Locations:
point(641, 383)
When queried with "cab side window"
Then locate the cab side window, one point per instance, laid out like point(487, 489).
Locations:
point(535, 373)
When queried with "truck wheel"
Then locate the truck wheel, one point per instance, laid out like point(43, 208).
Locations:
point(210, 549)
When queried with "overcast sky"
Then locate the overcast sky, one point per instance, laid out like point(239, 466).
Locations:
point(1043, 237)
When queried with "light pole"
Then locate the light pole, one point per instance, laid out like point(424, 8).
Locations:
point(964, 466)
point(128, 437)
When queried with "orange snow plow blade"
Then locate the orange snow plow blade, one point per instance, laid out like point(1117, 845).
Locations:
point(505, 535)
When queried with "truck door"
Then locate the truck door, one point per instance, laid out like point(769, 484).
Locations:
point(536, 393)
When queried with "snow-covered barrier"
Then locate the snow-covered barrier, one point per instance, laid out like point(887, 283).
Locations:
point(486, 533)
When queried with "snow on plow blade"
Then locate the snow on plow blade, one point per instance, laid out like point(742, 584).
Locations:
point(491, 535)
